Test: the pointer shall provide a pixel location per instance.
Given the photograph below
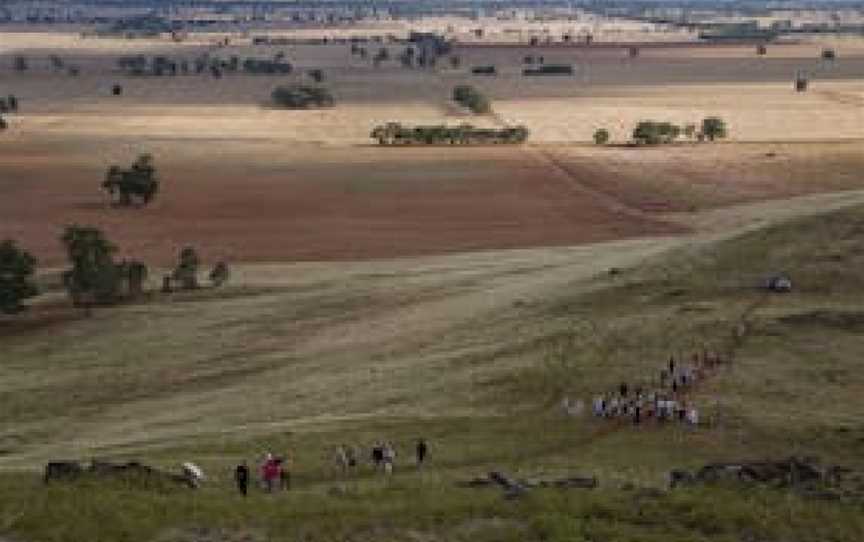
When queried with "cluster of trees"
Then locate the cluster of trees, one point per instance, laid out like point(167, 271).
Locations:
point(158, 65)
point(473, 99)
point(94, 277)
point(21, 63)
point(139, 26)
point(274, 66)
point(138, 182)
point(649, 132)
point(140, 65)
point(302, 97)
point(393, 133)
point(8, 104)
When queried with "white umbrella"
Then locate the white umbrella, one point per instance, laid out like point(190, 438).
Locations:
point(193, 471)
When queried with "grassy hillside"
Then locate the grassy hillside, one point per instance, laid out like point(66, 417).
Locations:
point(473, 352)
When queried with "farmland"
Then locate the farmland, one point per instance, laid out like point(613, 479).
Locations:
point(457, 293)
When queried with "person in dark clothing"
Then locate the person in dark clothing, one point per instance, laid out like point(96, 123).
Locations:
point(637, 415)
point(623, 389)
point(241, 477)
point(377, 455)
point(672, 365)
point(422, 450)
point(284, 474)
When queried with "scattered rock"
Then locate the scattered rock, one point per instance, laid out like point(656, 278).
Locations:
point(514, 488)
point(804, 474)
point(781, 284)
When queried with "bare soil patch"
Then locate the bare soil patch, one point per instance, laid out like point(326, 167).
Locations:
point(260, 202)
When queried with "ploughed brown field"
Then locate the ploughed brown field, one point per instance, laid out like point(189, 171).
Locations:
point(353, 203)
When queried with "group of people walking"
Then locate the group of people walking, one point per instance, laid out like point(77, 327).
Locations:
point(662, 399)
point(382, 456)
point(274, 472)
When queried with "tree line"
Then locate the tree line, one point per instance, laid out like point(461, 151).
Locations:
point(650, 132)
point(94, 276)
point(394, 133)
point(141, 65)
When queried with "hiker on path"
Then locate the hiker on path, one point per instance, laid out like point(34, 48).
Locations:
point(241, 478)
point(377, 455)
point(351, 455)
point(388, 458)
point(342, 458)
point(421, 450)
point(284, 463)
point(270, 472)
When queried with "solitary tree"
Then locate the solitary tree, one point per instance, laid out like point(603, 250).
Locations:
point(317, 75)
point(601, 136)
point(16, 277)
point(714, 128)
point(137, 182)
point(186, 272)
point(219, 274)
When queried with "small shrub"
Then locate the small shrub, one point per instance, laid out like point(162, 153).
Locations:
point(601, 136)
point(301, 97)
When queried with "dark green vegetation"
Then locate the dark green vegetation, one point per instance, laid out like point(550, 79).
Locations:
point(549, 69)
point(302, 97)
point(17, 267)
point(95, 278)
point(394, 133)
point(139, 182)
point(601, 136)
point(484, 70)
point(793, 387)
point(649, 132)
point(471, 98)
point(186, 272)
point(9, 104)
point(141, 65)
point(713, 128)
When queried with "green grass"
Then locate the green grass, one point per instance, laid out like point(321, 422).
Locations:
point(475, 356)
